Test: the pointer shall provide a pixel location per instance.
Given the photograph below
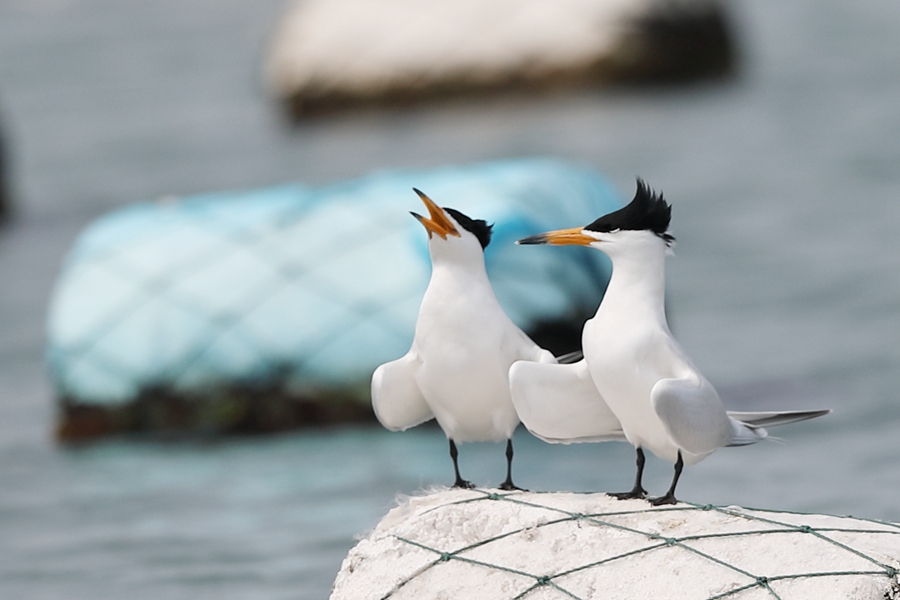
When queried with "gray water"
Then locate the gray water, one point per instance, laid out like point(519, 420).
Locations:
point(785, 288)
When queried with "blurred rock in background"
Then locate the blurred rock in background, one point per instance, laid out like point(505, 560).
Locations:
point(333, 54)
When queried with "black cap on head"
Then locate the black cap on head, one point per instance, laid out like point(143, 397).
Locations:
point(648, 211)
point(477, 227)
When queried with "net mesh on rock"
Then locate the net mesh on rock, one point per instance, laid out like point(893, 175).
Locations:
point(543, 546)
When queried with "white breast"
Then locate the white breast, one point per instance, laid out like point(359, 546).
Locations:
point(466, 344)
point(625, 365)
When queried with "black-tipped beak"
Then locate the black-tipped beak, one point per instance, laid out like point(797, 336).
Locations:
point(540, 238)
point(561, 237)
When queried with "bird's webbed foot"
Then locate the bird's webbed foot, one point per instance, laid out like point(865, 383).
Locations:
point(509, 486)
point(638, 493)
point(463, 484)
point(669, 498)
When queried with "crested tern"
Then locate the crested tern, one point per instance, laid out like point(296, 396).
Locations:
point(456, 370)
point(635, 381)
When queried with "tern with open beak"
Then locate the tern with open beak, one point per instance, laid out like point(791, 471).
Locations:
point(636, 381)
point(457, 368)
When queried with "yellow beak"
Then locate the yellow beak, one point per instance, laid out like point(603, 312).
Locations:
point(438, 223)
point(560, 237)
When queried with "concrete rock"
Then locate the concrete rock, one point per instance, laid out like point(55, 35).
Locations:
point(498, 545)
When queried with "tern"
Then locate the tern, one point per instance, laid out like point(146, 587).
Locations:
point(635, 381)
point(457, 368)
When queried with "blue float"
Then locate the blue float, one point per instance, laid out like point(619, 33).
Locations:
point(309, 287)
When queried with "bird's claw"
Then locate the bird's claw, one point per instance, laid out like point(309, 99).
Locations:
point(667, 499)
point(509, 486)
point(464, 485)
point(638, 493)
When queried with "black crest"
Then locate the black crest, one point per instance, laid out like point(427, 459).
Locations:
point(477, 227)
point(648, 210)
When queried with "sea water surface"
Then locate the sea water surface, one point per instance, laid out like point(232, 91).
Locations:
point(785, 287)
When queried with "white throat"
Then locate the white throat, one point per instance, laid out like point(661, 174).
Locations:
point(638, 283)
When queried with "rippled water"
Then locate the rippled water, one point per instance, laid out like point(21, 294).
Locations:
point(785, 288)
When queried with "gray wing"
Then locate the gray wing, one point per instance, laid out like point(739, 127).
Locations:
point(560, 403)
point(692, 414)
point(396, 399)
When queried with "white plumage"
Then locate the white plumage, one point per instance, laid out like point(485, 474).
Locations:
point(640, 375)
point(456, 370)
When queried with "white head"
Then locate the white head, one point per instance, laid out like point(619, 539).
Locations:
point(453, 236)
point(642, 225)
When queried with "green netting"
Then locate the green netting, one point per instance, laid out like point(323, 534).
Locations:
point(760, 523)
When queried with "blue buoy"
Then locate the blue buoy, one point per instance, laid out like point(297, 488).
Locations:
point(298, 292)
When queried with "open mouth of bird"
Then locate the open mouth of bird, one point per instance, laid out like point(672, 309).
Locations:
point(439, 223)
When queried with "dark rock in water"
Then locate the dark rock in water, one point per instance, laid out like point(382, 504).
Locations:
point(560, 336)
point(233, 410)
point(670, 45)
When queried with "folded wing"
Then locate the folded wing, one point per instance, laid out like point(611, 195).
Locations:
point(692, 414)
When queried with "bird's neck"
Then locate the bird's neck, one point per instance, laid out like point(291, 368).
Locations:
point(471, 270)
point(459, 258)
point(454, 291)
point(638, 285)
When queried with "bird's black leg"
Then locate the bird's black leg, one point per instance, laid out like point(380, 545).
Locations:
point(669, 498)
point(508, 484)
point(638, 491)
point(460, 482)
